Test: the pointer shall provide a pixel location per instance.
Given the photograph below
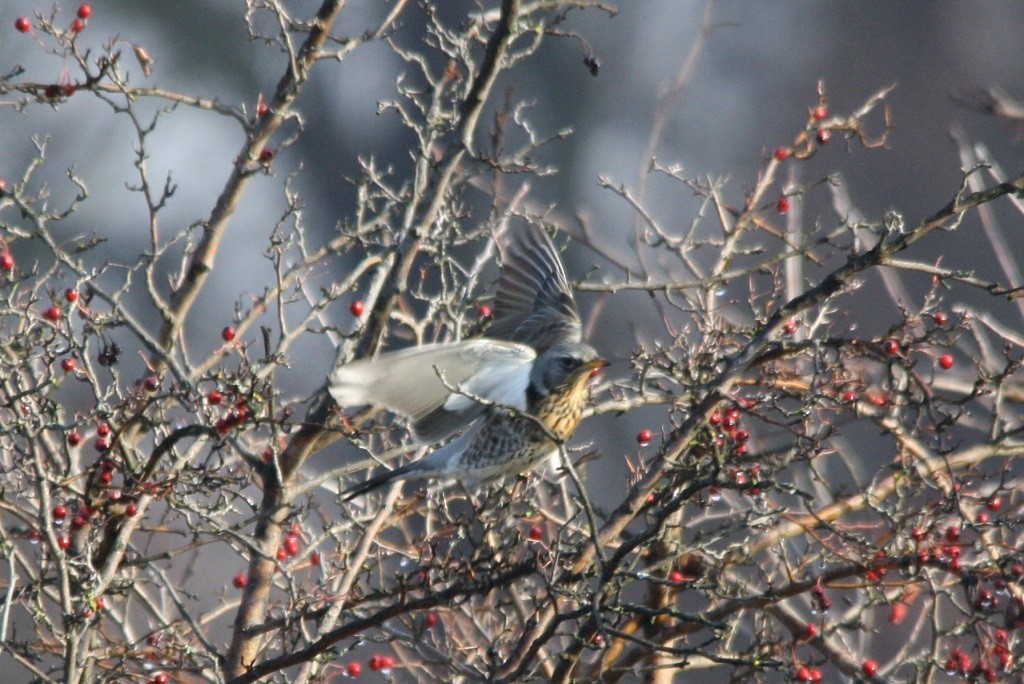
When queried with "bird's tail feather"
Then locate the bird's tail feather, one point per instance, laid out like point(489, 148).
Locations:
point(440, 462)
point(421, 468)
point(374, 483)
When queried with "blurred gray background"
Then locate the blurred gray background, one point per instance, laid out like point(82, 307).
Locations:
point(749, 91)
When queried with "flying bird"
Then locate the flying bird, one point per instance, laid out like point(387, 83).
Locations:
point(511, 397)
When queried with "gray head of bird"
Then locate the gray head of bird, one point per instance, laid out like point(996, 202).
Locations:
point(563, 365)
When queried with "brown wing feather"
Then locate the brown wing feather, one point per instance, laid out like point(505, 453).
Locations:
point(534, 304)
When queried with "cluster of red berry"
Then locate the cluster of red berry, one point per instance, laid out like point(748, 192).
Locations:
point(24, 24)
point(377, 663)
point(292, 544)
point(823, 135)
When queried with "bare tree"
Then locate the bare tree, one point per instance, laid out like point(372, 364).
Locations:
point(753, 539)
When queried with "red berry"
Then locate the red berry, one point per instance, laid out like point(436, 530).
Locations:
point(103, 429)
point(820, 112)
point(228, 333)
point(982, 517)
point(803, 674)
point(953, 533)
point(376, 662)
point(644, 437)
point(102, 444)
point(811, 630)
point(240, 580)
point(716, 418)
point(946, 361)
point(160, 678)
point(314, 558)
point(676, 577)
point(897, 613)
point(282, 554)
point(6, 261)
point(291, 545)
point(790, 327)
point(870, 667)
point(262, 109)
point(105, 477)
point(131, 510)
point(430, 620)
point(816, 675)
point(994, 504)
point(71, 294)
point(60, 511)
point(23, 24)
point(781, 153)
point(152, 383)
point(68, 365)
point(824, 135)
point(77, 25)
point(357, 307)
point(941, 318)
point(849, 396)
point(891, 347)
point(215, 396)
point(84, 10)
point(64, 542)
point(354, 669)
point(387, 662)
point(536, 533)
point(782, 206)
point(484, 311)
point(266, 155)
point(53, 313)
point(74, 438)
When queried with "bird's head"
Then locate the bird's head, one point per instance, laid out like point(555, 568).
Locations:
point(563, 366)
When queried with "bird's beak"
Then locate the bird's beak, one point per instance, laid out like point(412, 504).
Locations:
point(596, 363)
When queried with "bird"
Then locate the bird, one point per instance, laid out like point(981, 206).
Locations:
point(510, 398)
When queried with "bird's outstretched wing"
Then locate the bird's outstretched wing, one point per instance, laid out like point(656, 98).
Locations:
point(410, 382)
point(534, 304)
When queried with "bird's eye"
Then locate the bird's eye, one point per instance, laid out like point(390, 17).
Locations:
point(568, 362)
